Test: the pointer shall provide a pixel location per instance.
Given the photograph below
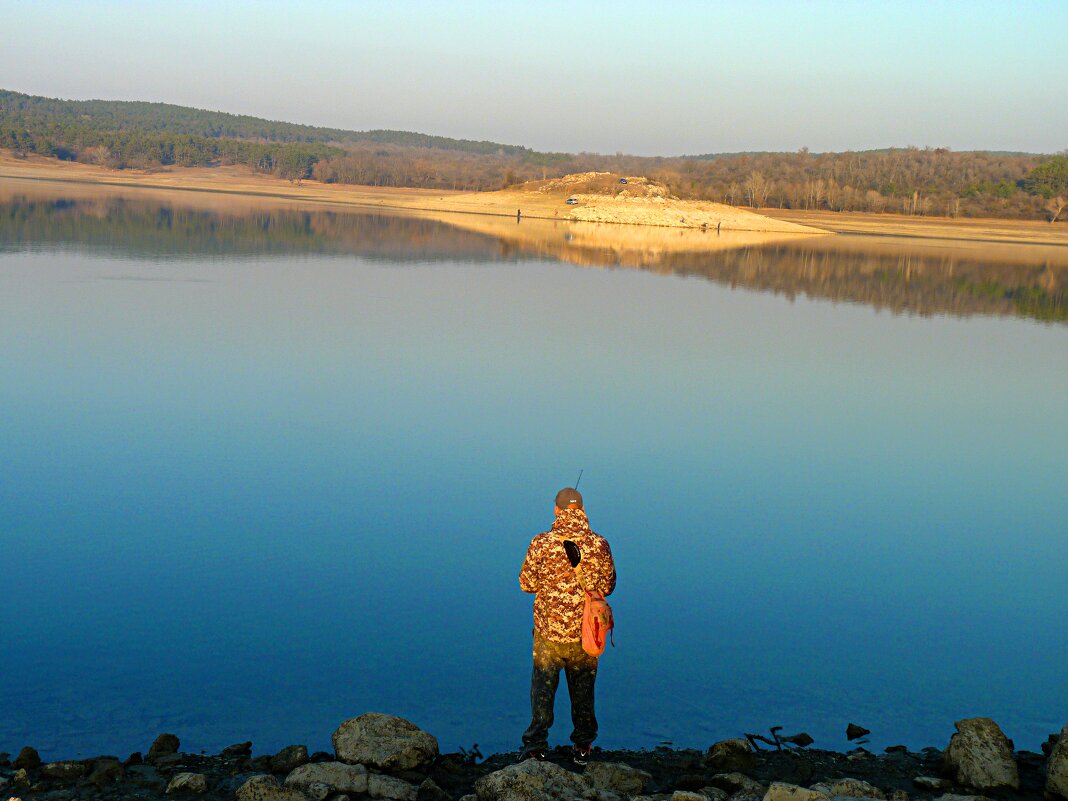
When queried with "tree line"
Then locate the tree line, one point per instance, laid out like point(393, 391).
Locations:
point(914, 181)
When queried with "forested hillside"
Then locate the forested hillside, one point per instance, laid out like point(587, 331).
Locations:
point(927, 181)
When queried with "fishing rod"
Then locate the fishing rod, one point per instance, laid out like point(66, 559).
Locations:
point(577, 480)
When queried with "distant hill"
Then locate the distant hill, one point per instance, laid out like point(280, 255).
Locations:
point(143, 117)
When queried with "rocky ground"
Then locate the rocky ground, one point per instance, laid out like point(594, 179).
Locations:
point(383, 757)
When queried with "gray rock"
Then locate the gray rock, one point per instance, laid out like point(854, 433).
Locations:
point(531, 781)
point(714, 794)
point(66, 771)
point(167, 760)
point(266, 788)
point(380, 786)
point(4, 782)
point(338, 776)
point(852, 788)
point(21, 778)
point(383, 741)
point(729, 756)
point(238, 750)
point(188, 783)
point(28, 758)
point(688, 795)
point(144, 776)
point(979, 755)
point(164, 744)
point(899, 795)
point(1057, 767)
point(735, 783)
point(430, 791)
point(471, 797)
point(781, 791)
point(133, 759)
point(932, 783)
point(289, 759)
point(855, 732)
point(617, 778)
point(105, 770)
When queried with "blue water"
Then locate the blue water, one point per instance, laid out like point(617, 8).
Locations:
point(249, 495)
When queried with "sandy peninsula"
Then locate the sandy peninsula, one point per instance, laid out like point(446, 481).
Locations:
point(594, 197)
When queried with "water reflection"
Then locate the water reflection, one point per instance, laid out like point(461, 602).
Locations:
point(916, 277)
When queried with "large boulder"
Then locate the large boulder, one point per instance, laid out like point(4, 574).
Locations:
point(618, 778)
point(531, 780)
point(383, 741)
point(237, 750)
point(265, 787)
point(380, 786)
point(289, 759)
point(780, 791)
point(728, 756)
point(1057, 767)
point(28, 758)
point(979, 755)
point(188, 783)
point(164, 744)
point(688, 795)
point(338, 776)
point(850, 788)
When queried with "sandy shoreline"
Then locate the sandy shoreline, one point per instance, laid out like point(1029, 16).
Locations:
point(227, 184)
point(539, 204)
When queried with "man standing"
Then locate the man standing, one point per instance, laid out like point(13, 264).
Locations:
point(561, 564)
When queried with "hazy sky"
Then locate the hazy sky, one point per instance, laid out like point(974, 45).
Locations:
point(646, 78)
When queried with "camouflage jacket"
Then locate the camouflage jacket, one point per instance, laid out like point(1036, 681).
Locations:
point(548, 573)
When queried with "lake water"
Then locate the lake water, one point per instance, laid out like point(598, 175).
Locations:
point(263, 470)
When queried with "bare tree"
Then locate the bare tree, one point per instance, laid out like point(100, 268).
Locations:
point(1055, 205)
point(757, 189)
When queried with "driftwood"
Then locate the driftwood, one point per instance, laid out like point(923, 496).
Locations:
point(800, 740)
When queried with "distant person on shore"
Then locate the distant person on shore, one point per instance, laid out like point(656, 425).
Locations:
point(561, 564)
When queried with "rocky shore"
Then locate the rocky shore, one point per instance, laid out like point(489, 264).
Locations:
point(383, 757)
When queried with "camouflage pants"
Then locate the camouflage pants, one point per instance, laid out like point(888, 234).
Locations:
point(581, 671)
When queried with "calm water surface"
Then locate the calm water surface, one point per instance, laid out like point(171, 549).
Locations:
point(263, 472)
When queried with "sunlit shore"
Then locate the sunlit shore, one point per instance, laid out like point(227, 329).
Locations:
point(545, 203)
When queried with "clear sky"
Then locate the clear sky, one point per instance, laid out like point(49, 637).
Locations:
point(662, 78)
